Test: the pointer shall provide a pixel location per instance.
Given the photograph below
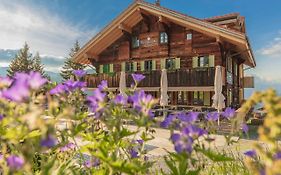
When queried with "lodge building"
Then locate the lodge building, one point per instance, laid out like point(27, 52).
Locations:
point(146, 38)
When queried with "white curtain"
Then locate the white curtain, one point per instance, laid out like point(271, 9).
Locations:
point(164, 88)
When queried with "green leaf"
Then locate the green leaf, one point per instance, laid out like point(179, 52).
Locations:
point(33, 134)
point(216, 157)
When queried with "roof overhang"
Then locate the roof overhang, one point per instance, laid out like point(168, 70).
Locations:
point(132, 15)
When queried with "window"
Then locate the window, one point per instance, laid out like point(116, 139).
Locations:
point(135, 42)
point(198, 98)
point(163, 37)
point(189, 36)
point(106, 68)
point(129, 67)
point(148, 65)
point(203, 61)
point(170, 63)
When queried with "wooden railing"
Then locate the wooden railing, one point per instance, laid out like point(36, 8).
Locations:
point(176, 78)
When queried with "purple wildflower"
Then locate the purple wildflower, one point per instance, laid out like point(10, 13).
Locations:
point(167, 121)
point(189, 118)
point(140, 141)
point(251, 153)
point(193, 131)
point(92, 163)
point(15, 162)
point(36, 80)
point(49, 141)
point(141, 102)
point(95, 100)
point(245, 128)
point(5, 82)
point(138, 77)
point(133, 153)
point(277, 156)
point(1, 117)
point(59, 89)
point(79, 73)
point(103, 85)
point(18, 92)
point(182, 143)
point(229, 113)
point(120, 99)
point(67, 147)
point(212, 116)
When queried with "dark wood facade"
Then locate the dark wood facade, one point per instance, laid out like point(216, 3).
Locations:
point(189, 55)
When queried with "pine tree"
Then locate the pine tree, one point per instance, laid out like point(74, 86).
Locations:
point(69, 64)
point(22, 61)
point(38, 66)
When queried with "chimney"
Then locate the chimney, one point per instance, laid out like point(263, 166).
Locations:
point(157, 2)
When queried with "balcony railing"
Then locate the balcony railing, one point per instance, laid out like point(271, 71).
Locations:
point(176, 78)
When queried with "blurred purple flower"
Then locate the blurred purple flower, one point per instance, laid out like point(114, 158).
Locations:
point(277, 156)
point(92, 163)
point(15, 162)
point(193, 131)
point(59, 89)
point(212, 116)
point(120, 99)
point(189, 118)
point(133, 153)
point(103, 85)
point(5, 81)
point(49, 141)
point(1, 156)
point(67, 147)
point(79, 73)
point(167, 121)
point(18, 92)
point(1, 117)
point(95, 100)
point(251, 153)
point(182, 143)
point(141, 101)
point(140, 141)
point(229, 113)
point(36, 80)
point(138, 77)
point(245, 128)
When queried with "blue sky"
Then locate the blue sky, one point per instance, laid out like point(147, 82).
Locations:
point(51, 26)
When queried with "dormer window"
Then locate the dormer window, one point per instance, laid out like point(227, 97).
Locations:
point(163, 38)
point(135, 42)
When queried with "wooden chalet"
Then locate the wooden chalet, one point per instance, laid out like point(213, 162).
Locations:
point(146, 38)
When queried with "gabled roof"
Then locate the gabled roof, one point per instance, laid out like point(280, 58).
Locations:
point(132, 15)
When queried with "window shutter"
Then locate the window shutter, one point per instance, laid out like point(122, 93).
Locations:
point(123, 66)
point(111, 68)
point(211, 60)
point(195, 62)
point(101, 69)
point(142, 65)
point(207, 101)
point(153, 64)
point(163, 63)
point(178, 63)
point(135, 66)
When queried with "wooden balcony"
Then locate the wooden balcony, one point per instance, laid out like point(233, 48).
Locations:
point(176, 78)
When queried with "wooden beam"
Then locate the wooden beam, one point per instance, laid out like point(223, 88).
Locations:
point(124, 27)
point(164, 20)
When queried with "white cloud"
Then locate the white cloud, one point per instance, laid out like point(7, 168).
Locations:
point(43, 31)
point(273, 49)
